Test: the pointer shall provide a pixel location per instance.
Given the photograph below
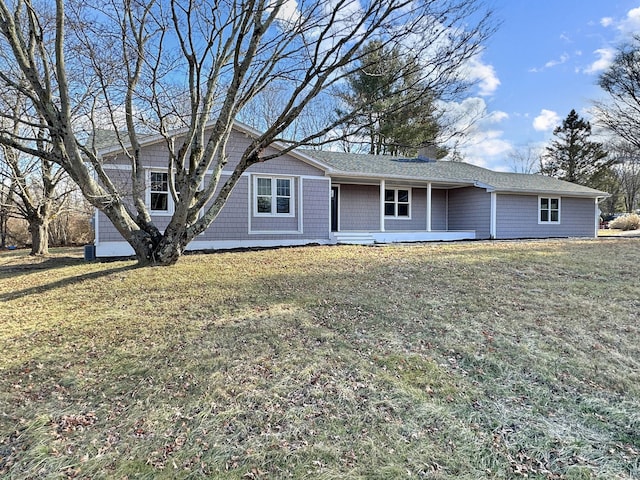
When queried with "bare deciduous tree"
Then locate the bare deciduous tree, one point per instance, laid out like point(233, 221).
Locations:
point(144, 67)
point(526, 159)
point(621, 81)
point(6, 202)
point(627, 172)
point(35, 181)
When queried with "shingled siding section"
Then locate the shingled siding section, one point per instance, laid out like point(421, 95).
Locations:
point(316, 212)
point(517, 217)
point(359, 208)
point(107, 232)
point(470, 209)
point(236, 221)
point(438, 209)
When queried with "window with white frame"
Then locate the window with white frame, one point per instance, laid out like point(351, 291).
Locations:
point(273, 196)
point(549, 210)
point(397, 202)
point(159, 200)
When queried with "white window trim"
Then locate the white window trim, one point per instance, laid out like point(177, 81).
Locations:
point(170, 204)
point(549, 222)
point(274, 189)
point(395, 201)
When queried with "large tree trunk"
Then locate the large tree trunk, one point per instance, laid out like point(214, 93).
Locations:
point(171, 246)
point(3, 229)
point(167, 253)
point(39, 237)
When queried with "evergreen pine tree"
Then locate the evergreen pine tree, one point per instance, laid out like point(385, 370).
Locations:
point(573, 157)
point(397, 109)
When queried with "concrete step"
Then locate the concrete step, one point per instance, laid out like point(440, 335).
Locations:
point(354, 238)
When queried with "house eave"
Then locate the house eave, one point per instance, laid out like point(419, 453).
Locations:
point(563, 193)
point(339, 175)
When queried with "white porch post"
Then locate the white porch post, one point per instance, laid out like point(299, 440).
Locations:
point(429, 207)
point(382, 188)
point(597, 218)
point(494, 217)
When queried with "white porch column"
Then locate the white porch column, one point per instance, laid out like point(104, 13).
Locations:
point(597, 217)
point(429, 207)
point(494, 217)
point(382, 188)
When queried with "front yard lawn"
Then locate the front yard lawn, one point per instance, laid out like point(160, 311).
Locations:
point(442, 361)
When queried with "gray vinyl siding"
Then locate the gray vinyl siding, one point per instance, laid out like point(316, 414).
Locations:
point(107, 232)
point(517, 217)
point(359, 208)
point(470, 209)
point(232, 222)
point(438, 209)
point(316, 213)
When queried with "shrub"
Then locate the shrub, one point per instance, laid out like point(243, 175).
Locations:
point(630, 221)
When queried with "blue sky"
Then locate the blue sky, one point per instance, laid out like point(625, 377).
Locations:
point(543, 61)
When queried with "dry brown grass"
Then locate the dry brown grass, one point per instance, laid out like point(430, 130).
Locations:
point(470, 360)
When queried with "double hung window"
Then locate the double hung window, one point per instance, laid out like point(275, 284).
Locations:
point(274, 196)
point(397, 203)
point(549, 210)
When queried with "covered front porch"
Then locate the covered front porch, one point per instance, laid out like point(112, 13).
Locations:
point(396, 211)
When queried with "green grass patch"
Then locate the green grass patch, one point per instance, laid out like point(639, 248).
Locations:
point(443, 361)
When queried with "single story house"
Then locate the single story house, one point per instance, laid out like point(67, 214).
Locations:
point(310, 196)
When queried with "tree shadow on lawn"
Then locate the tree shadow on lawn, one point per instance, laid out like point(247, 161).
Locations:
point(13, 264)
point(56, 263)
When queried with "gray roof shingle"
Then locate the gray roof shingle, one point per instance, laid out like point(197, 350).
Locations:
point(384, 166)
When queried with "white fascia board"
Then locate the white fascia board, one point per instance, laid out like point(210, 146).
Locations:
point(554, 193)
point(405, 178)
point(486, 186)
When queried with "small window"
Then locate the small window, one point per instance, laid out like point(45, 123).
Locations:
point(159, 192)
point(274, 196)
point(549, 210)
point(397, 203)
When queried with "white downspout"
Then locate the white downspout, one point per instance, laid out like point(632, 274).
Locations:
point(494, 217)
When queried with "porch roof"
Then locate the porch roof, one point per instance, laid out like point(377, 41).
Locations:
point(356, 165)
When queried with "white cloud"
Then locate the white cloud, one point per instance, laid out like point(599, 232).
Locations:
point(546, 121)
point(481, 143)
point(552, 63)
point(564, 58)
point(631, 24)
point(497, 116)
point(606, 21)
point(484, 74)
point(605, 59)
point(289, 12)
point(628, 26)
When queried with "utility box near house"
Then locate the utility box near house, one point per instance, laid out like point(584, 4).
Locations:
point(90, 252)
